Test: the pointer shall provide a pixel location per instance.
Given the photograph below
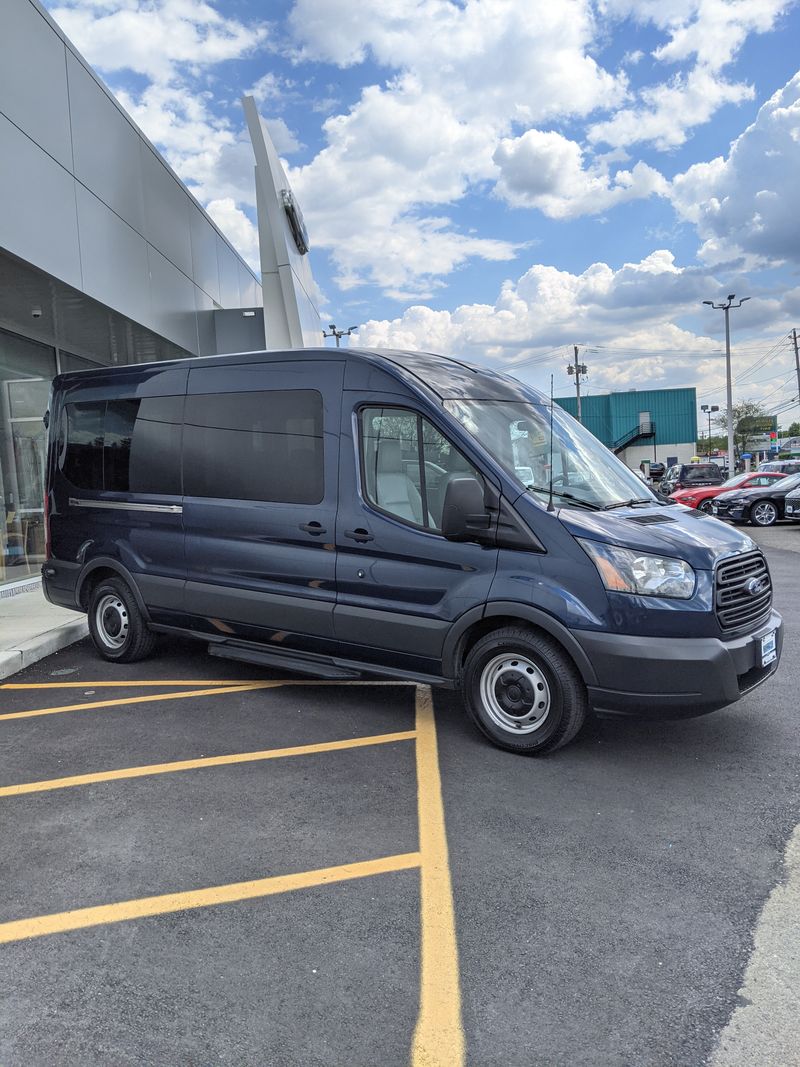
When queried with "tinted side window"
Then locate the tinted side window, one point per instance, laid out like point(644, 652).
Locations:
point(265, 445)
point(154, 465)
point(408, 465)
point(124, 445)
point(82, 459)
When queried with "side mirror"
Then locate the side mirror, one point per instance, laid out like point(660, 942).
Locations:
point(464, 515)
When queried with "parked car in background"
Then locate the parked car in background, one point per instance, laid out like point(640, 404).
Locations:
point(760, 507)
point(657, 472)
point(691, 476)
point(792, 505)
point(785, 466)
point(703, 497)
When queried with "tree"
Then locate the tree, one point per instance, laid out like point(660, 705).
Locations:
point(743, 413)
point(793, 431)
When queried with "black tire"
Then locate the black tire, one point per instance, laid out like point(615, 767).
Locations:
point(763, 513)
point(117, 626)
point(523, 692)
point(706, 506)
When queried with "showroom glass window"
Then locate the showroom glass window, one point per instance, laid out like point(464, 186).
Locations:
point(26, 369)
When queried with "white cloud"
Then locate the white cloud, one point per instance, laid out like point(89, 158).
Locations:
point(746, 205)
point(667, 112)
point(546, 170)
point(156, 38)
point(424, 140)
point(709, 33)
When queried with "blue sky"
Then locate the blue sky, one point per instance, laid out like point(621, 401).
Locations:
point(502, 179)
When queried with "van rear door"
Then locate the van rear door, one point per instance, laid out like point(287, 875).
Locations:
point(260, 473)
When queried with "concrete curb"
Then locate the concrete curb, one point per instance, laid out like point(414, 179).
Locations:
point(36, 648)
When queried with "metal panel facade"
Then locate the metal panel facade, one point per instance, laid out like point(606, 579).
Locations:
point(33, 79)
point(37, 206)
point(105, 146)
point(610, 416)
point(85, 198)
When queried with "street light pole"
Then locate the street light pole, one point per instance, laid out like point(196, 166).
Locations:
point(338, 334)
point(729, 383)
point(707, 409)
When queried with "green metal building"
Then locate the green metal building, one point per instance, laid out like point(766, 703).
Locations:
point(653, 424)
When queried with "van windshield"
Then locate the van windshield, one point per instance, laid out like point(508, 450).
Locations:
point(517, 435)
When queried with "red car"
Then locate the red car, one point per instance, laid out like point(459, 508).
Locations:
point(702, 496)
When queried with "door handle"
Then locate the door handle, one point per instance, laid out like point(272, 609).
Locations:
point(314, 528)
point(359, 534)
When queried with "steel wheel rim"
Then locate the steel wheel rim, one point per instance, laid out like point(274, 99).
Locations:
point(515, 694)
point(764, 513)
point(111, 619)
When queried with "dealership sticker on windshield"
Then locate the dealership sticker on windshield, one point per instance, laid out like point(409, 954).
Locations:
point(768, 649)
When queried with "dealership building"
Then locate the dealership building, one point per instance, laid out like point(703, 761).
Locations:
point(106, 258)
point(642, 424)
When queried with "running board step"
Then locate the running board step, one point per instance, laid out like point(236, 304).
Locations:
point(298, 664)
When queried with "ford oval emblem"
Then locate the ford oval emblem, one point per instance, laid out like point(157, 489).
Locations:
point(756, 585)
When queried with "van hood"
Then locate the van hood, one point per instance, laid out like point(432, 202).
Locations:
point(670, 531)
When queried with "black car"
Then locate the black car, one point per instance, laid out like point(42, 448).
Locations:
point(691, 476)
point(760, 507)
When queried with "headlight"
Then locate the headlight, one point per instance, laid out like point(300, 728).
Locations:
point(625, 571)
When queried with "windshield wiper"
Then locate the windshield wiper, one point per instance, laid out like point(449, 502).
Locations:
point(565, 496)
point(629, 503)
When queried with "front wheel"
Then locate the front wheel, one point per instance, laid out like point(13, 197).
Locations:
point(117, 626)
point(763, 513)
point(523, 692)
point(706, 506)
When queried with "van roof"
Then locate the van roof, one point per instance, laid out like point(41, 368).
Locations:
point(443, 376)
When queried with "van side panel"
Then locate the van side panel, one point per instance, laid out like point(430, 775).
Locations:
point(260, 463)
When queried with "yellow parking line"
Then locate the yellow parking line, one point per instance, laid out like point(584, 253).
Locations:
point(81, 918)
point(196, 681)
point(137, 700)
point(130, 683)
point(207, 761)
point(439, 1035)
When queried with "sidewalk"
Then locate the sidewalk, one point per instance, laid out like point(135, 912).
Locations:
point(31, 628)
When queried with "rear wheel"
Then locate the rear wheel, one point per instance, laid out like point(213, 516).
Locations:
point(763, 513)
point(523, 692)
point(117, 626)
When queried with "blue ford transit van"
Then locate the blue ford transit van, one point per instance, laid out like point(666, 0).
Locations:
point(395, 514)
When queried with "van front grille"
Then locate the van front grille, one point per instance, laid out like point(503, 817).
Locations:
point(743, 591)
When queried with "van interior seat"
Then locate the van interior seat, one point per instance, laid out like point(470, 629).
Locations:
point(394, 490)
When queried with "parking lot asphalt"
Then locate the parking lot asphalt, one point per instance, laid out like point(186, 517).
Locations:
point(604, 898)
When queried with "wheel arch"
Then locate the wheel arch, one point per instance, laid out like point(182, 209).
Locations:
point(494, 616)
point(104, 567)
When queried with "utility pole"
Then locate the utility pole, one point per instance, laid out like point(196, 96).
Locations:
point(729, 382)
point(796, 363)
point(338, 334)
point(577, 369)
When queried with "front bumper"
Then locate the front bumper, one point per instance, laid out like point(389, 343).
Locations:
point(736, 513)
point(676, 678)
